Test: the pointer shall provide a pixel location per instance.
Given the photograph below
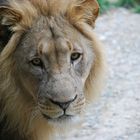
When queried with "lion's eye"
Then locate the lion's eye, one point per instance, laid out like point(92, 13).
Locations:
point(75, 56)
point(36, 62)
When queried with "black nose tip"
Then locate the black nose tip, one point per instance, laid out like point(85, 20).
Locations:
point(64, 105)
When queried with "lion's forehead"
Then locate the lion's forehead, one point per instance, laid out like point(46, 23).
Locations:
point(54, 27)
point(55, 34)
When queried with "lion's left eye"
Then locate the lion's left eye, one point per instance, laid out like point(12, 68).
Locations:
point(75, 56)
point(37, 62)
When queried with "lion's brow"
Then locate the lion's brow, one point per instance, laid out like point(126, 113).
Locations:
point(46, 49)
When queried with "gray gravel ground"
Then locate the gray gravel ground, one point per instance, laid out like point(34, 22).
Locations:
point(116, 114)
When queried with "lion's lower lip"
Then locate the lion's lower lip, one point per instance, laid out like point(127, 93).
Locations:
point(62, 117)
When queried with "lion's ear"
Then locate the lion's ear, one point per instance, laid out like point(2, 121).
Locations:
point(8, 18)
point(84, 11)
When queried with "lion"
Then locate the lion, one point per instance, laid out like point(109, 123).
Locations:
point(51, 66)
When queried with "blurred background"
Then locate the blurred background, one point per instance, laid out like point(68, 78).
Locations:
point(133, 5)
point(115, 115)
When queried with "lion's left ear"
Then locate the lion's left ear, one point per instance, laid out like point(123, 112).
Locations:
point(84, 11)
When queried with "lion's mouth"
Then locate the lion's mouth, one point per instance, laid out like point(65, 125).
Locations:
point(60, 118)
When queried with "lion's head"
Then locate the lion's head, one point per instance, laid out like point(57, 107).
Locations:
point(50, 62)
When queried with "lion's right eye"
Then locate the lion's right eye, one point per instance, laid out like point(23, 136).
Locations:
point(37, 62)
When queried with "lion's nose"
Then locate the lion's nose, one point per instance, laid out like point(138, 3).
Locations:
point(64, 105)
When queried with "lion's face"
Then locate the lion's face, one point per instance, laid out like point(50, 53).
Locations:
point(51, 64)
point(55, 59)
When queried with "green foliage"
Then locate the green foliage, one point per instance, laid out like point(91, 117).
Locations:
point(130, 4)
point(104, 5)
point(137, 9)
point(127, 3)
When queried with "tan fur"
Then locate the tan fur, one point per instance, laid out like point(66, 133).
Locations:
point(22, 14)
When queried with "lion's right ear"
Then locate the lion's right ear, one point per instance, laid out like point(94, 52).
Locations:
point(8, 18)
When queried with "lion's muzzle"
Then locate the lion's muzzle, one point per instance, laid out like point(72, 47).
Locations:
point(61, 97)
point(58, 110)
